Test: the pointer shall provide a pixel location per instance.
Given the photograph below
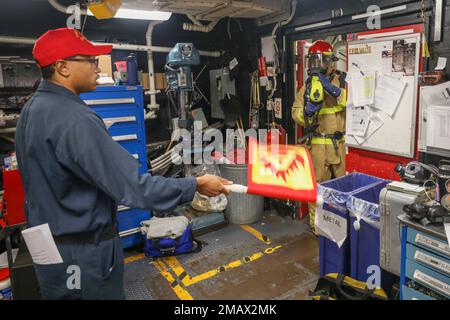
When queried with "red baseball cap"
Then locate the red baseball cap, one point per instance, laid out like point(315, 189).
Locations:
point(64, 43)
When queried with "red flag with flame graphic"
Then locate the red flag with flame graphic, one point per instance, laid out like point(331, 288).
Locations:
point(281, 171)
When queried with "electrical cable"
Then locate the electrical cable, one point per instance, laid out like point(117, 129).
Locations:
point(426, 193)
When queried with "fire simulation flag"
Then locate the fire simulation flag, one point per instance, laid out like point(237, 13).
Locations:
point(279, 171)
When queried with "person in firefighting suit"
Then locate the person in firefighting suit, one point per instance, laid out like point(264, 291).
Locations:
point(319, 108)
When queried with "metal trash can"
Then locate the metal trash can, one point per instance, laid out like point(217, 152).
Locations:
point(242, 208)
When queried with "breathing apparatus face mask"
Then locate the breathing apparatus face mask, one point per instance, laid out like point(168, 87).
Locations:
point(319, 62)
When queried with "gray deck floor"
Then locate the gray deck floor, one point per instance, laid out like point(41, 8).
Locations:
point(237, 262)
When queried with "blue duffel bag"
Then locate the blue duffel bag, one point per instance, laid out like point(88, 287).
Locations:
point(163, 247)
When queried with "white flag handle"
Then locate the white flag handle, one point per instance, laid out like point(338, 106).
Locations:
point(236, 188)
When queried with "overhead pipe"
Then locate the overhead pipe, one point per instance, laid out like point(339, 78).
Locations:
point(274, 36)
point(116, 46)
point(153, 106)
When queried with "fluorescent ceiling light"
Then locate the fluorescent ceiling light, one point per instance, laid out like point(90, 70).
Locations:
point(140, 14)
point(314, 25)
point(380, 12)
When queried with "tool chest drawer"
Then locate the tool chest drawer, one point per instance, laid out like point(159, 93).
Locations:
point(120, 117)
point(411, 294)
point(135, 149)
point(131, 219)
point(105, 96)
point(427, 277)
point(122, 110)
point(127, 133)
point(428, 242)
point(428, 259)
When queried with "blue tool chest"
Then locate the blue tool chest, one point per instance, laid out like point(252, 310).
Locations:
point(122, 111)
point(425, 262)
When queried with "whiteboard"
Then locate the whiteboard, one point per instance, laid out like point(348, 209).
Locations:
point(397, 135)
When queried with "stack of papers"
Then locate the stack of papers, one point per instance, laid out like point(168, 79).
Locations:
point(405, 187)
point(363, 122)
point(438, 128)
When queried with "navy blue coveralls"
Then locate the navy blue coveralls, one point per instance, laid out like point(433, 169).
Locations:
point(75, 175)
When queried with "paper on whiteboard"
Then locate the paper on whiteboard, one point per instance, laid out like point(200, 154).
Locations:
point(41, 245)
point(359, 140)
point(360, 121)
point(363, 87)
point(438, 129)
point(386, 58)
point(388, 94)
point(376, 122)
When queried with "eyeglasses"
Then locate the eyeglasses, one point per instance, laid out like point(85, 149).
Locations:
point(93, 61)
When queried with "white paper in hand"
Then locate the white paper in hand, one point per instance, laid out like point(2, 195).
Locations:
point(41, 245)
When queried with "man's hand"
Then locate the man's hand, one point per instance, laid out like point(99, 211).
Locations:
point(328, 86)
point(212, 186)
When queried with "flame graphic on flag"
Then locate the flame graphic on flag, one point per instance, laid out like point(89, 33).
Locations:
point(282, 165)
point(281, 171)
point(290, 165)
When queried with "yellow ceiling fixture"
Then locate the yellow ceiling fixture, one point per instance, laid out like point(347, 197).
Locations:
point(104, 9)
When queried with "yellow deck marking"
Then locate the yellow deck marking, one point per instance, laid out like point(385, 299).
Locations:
point(255, 233)
point(272, 250)
point(176, 267)
point(179, 291)
point(134, 258)
point(188, 280)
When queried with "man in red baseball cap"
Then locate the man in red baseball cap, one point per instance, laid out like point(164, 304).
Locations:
point(75, 175)
point(68, 58)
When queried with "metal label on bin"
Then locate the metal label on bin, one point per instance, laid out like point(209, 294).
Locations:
point(330, 225)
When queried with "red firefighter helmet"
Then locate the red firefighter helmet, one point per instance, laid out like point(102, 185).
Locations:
point(320, 56)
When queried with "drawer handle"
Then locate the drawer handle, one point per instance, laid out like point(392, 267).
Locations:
point(99, 102)
point(432, 262)
point(125, 137)
point(435, 284)
point(433, 244)
point(122, 208)
point(127, 233)
point(109, 122)
point(120, 119)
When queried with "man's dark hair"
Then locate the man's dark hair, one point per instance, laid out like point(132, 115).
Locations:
point(48, 71)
